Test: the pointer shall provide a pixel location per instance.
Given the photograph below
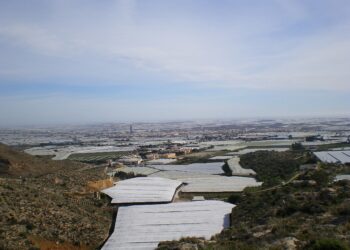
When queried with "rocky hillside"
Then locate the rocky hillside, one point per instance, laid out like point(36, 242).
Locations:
point(50, 205)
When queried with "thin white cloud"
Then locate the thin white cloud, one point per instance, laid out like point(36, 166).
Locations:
point(252, 49)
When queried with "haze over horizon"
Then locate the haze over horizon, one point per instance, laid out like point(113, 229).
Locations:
point(129, 60)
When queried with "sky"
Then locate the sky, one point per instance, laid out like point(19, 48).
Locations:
point(78, 61)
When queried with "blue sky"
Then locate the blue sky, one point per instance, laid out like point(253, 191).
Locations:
point(70, 61)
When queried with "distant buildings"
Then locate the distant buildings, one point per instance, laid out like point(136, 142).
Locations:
point(185, 150)
point(152, 156)
point(168, 156)
point(130, 160)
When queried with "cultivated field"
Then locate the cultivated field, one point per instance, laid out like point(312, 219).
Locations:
point(97, 157)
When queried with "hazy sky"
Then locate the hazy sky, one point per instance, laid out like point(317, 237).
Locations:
point(94, 61)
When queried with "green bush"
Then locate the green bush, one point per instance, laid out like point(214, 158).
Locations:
point(321, 177)
point(328, 244)
point(234, 198)
point(343, 210)
point(272, 167)
point(227, 169)
point(297, 146)
point(123, 176)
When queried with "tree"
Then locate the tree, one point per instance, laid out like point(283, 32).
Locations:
point(297, 146)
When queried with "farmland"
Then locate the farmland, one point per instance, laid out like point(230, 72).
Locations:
point(259, 172)
point(309, 216)
point(97, 157)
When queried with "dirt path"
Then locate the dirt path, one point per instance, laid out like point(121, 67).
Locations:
point(280, 185)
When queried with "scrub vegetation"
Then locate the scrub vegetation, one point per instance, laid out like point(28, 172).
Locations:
point(309, 212)
point(49, 204)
